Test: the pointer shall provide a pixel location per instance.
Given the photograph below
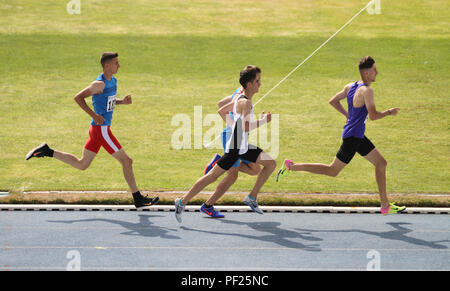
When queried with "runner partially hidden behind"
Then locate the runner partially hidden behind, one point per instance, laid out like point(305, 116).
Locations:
point(103, 91)
point(361, 103)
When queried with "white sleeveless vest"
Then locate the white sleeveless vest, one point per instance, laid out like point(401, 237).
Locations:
point(239, 137)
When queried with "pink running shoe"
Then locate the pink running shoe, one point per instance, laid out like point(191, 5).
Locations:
point(285, 169)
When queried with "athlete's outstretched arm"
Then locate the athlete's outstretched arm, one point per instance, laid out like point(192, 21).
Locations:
point(369, 101)
point(336, 101)
point(96, 87)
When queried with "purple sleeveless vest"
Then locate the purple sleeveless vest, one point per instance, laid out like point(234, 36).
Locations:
point(356, 123)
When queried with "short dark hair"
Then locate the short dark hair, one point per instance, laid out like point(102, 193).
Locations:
point(366, 63)
point(248, 74)
point(107, 57)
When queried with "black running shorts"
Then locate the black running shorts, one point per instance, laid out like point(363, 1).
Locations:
point(352, 145)
point(228, 159)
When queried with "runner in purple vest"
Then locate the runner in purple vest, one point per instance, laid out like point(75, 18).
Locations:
point(361, 103)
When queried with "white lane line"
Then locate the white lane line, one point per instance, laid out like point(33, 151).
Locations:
point(8, 247)
point(196, 208)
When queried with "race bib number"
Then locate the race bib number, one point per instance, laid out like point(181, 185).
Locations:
point(111, 103)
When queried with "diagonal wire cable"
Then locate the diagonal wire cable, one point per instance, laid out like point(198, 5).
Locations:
point(314, 52)
point(305, 60)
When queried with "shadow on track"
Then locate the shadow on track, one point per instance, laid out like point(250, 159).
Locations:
point(142, 228)
point(399, 233)
point(282, 237)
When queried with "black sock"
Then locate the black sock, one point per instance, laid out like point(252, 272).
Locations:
point(49, 153)
point(138, 193)
point(207, 206)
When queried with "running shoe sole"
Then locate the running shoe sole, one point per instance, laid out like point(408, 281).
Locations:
point(280, 172)
point(249, 204)
point(211, 214)
point(399, 211)
point(154, 201)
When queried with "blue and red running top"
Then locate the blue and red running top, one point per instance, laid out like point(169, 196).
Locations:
point(105, 102)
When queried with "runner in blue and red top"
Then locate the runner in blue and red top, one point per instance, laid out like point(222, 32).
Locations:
point(104, 104)
point(361, 104)
point(104, 99)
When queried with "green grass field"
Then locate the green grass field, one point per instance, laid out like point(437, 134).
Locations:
point(176, 54)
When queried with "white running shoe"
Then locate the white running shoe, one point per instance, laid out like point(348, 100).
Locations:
point(251, 202)
point(179, 207)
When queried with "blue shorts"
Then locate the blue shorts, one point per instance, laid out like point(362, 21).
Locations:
point(224, 141)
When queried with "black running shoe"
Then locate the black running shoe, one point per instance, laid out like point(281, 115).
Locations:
point(42, 150)
point(141, 201)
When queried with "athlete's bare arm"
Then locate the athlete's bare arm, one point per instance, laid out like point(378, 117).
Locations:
point(95, 87)
point(244, 107)
point(369, 101)
point(225, 101)
point(224, 113)
point(336, 100)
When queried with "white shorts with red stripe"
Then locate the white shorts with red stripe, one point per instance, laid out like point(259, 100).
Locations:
point(101, 136)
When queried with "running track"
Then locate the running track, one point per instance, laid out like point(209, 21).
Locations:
point(154, 240)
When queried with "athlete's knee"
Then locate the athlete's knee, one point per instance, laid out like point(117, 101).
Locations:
point(267, 162)
point(83, 166)
point(270, 165)
point(254, 170)
point(213, 175)
point(381, 163)
point(126, 161)
point(129, 161)
point(333, 172)
point(211, 178)
point(232, 176)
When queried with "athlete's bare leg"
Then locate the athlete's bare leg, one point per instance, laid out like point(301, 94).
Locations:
point(201, 183)
point(331, 170)
point(127, 167)
point(224, 185)
point(269, 166)
point(380, 164)
point(81, 164)
point(251, 169)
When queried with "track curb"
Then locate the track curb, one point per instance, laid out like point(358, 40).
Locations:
point(222, 208)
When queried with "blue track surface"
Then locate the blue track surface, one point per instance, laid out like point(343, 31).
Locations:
point(102, 240)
